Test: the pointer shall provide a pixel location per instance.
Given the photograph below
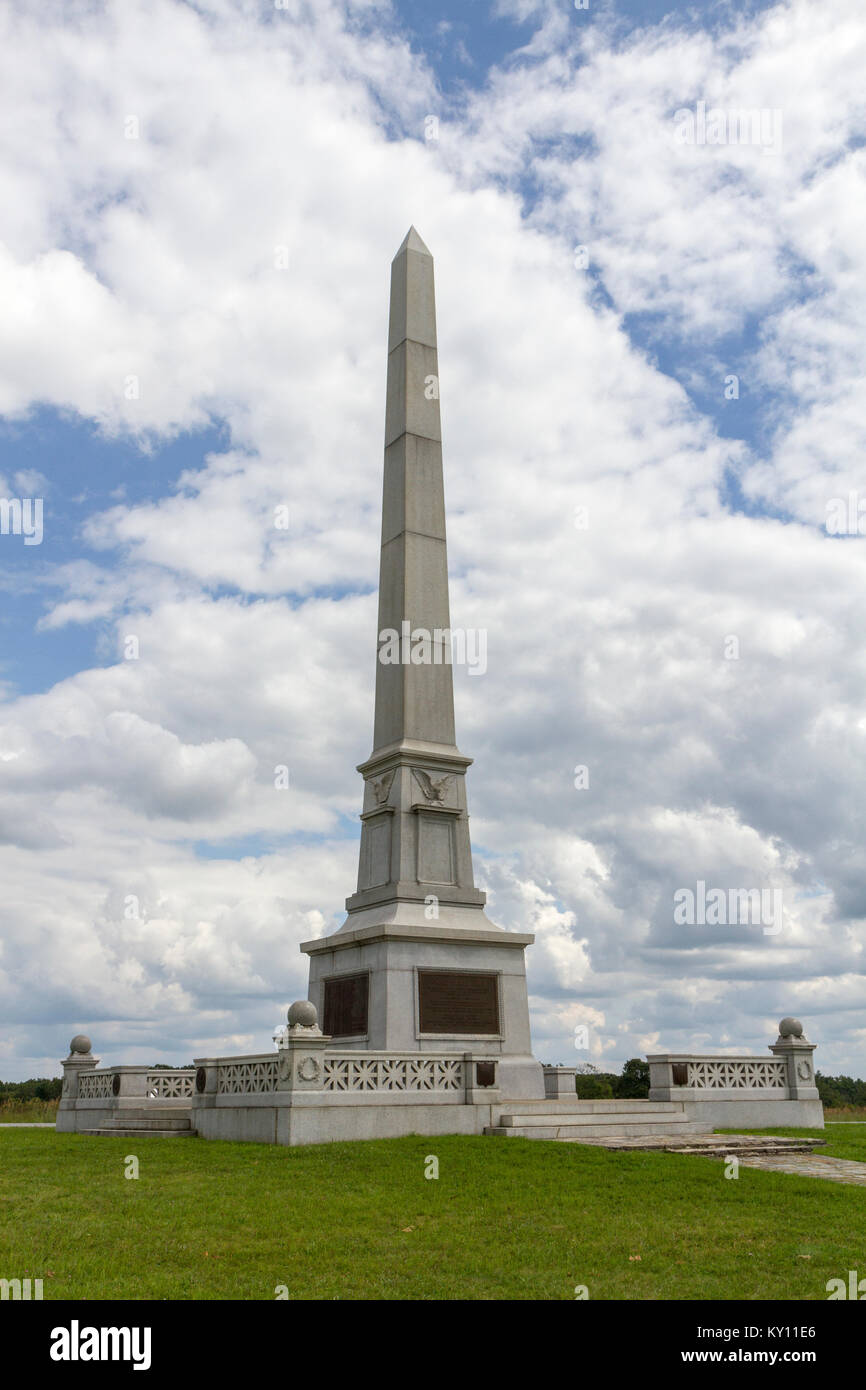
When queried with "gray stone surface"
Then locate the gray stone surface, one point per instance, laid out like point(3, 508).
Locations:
point(740, 1146)
point(756, 1113)
point(844, 1170)
point(560, 1082)
point(416, 906)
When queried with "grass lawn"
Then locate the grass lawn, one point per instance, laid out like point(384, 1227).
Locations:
point(510, 1219)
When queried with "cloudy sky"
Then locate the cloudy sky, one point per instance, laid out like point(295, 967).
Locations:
point(651, 356)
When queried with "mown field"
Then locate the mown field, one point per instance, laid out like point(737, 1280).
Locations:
point(505, 1219)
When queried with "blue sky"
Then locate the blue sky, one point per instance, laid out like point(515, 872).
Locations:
point(261, 383)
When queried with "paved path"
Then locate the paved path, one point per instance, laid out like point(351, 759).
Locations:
point(713, 1145)
point(845, 1170)
point(16, 1124)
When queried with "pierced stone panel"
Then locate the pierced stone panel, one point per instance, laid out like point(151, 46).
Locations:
point(95, 1085)
point(170, 1085)
point(393, 1074)
point(760, 1075)
point(247, 1078)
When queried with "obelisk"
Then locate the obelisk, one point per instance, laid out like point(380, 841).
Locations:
point(417, 966)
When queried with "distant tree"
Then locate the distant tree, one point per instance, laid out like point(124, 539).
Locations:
point(840, 1090)
point(595, 1085)
point(37, 1088)
point(634, 1082)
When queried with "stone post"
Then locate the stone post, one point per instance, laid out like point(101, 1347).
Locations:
point(204, 1092)
point(560, 1083)
point(482, 1080)
point(302, 1052)
point(80, 1059)
point(796, 1051)
point(129, 1083)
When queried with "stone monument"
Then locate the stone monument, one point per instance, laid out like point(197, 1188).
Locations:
point(417, 1020)
point(417, 964)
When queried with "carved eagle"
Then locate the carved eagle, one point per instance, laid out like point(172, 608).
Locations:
point(382, 786)
point(434, 788)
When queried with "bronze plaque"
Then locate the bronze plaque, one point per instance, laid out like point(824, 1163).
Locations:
point(485, 1073)
point(451, 1001)
point(346, 1006)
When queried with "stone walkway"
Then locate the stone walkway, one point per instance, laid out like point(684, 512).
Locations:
point(845, 1170)
point(773, 1154)
point(712, 1145)
point(18, 1124)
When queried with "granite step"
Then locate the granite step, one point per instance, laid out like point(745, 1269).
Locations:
point(566, 1131)
point(167, 1122)
point(647, 1118)
point(568, 1105)
point(141, 1133)
point(570, 1120)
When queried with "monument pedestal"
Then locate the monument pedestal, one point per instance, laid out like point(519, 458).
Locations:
point(423, 987)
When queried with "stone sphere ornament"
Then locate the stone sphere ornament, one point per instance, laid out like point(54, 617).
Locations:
point(790, 1028)
point(303, 1013)
point(80, 1044)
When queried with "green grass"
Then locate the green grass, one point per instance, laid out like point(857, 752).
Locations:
point(506, 1219)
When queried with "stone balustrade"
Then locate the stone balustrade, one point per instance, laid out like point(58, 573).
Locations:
point(673, 1072)
point(92, 1093)
point(731, 1090)
point(313, 1090)
point(302, 1067)
point(248, 1096)
point(143, 1083)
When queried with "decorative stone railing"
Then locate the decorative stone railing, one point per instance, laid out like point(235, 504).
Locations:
point(170, 1085)
point(743, 1089)
point(96, 1085)
point(719, 1073)
point(307, 1070)
point(254, 1076)
point(122, 1087)
point(344, 1073)
point(386, 1072)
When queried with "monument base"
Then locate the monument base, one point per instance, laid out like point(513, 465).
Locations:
point(416, 988)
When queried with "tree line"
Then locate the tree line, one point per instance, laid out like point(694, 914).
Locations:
point(840, 1090)
point(38, 1088)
